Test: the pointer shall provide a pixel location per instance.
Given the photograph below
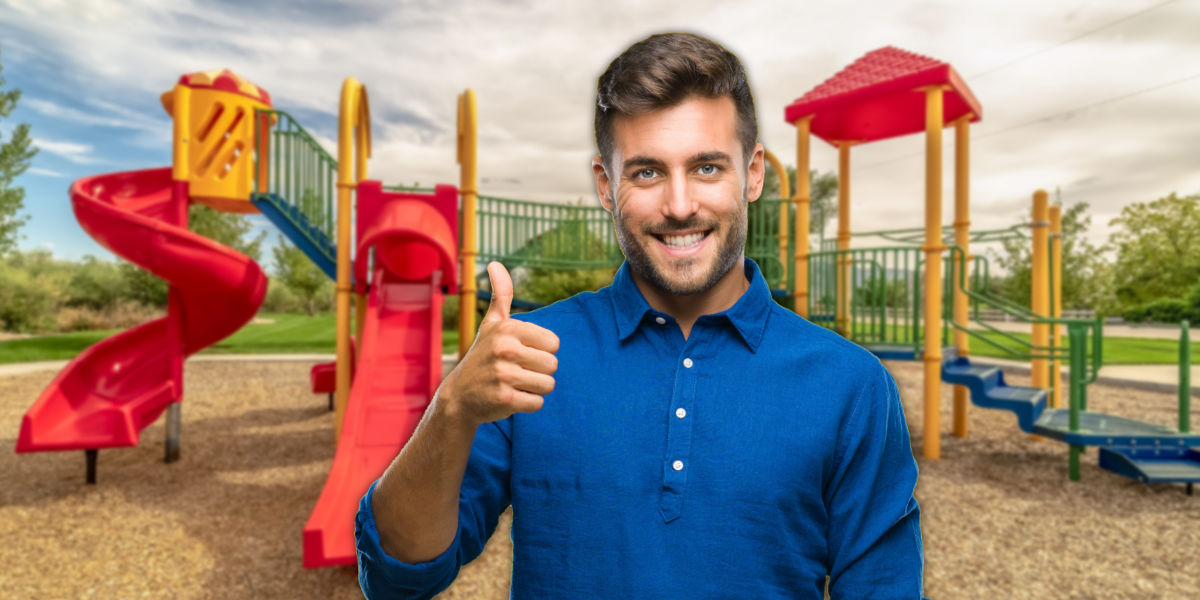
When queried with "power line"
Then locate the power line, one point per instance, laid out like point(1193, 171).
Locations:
point(1071, 111)
point(1068, 41)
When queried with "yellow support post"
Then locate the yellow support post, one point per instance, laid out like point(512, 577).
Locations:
point(934, 122)
point(354, 147)
point(468, 250)
point(785, 191)
point(843, 238)
point(1056, 302)
point(801, 200)
point(961, 272)
point(1040, 301)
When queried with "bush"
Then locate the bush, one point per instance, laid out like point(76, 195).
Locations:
point(122, 314)
point(1162, 310)
point(28, 300)
point(96, 284)
point(545, 286)
point(280, 298)
point(31, 290)
point(450, 313)
point(1193, 303)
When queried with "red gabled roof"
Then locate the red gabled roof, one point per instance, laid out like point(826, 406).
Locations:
point(878, 97)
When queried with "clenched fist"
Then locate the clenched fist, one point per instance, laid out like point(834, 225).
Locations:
point(509, 367)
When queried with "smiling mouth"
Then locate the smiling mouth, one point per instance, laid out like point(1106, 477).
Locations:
point(682, 241)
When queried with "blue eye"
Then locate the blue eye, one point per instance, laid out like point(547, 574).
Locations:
point(708, 169)
point(645, 173)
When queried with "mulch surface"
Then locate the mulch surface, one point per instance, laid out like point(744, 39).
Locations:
point(999, 517)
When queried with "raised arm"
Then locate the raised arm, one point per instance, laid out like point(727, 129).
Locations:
point(415, 505)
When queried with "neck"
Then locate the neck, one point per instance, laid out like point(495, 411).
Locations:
point(686, 309)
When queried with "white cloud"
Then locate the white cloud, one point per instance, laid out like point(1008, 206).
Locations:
point(533, 66)
point(45, 172)
point(117, 116)
point(48, 245)
point(72, 151)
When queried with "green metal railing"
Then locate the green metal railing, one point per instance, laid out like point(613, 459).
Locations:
point(298, 169)
point(885, 286)
point(542, 235)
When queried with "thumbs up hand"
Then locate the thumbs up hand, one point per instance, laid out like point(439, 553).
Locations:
point(507, 370)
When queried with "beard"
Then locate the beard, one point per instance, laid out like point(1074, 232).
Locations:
point(672, 278)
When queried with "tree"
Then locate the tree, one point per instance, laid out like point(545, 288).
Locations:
point(1157, 246)
point(1082, 268)
point(298, 272)
point(230, 229)
point(822, 189)
point(15, 157)
point(559, 255)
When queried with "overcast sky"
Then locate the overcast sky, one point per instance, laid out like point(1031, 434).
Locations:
point(1100, 99)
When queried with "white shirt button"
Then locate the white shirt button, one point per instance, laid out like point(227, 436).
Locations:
point(687, 363)
point(660, 320)
point(677, 465)
point(679, 412)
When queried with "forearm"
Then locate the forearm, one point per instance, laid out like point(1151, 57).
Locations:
point(416, 501)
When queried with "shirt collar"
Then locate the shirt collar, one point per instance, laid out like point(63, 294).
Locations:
point(748, 315)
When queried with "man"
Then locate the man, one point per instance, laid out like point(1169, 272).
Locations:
point(689, 438)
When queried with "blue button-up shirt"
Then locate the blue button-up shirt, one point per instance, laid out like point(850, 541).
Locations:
point(749, 460)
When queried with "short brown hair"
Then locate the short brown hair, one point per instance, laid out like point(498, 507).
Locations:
point(662, 71)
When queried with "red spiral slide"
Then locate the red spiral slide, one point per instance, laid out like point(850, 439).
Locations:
point(415, 240)
point(114, 389)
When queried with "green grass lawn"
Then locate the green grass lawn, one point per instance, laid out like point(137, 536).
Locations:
point(287, 334)
point(300, 334)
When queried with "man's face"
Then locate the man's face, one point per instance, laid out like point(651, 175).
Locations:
point(677, 187)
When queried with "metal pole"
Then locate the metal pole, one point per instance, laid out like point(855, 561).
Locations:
point(90, 456)
point(801, 200)
point(174, 428)
point(1185, 379)
point(1077, 335)
point(468, 249)
point(933, 248)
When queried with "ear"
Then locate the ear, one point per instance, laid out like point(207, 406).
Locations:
point(603, 184)
point(756, 173)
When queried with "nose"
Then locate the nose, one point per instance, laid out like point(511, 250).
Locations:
point(679, 203)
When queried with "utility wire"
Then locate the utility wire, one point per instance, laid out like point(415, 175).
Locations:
point(1077, 109)
point(1068, 41)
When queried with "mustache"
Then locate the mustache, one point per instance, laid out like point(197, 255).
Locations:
point(674, 225)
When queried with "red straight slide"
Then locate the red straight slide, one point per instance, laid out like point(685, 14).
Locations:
point(414, 237)
point(114, 389)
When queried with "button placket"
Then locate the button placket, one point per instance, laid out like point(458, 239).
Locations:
point(679, 429)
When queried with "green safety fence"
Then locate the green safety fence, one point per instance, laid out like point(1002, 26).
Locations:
point(543, 235)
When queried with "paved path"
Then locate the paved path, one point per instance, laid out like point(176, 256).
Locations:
point(1153, 377)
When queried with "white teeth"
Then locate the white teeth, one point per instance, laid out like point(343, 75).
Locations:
point(683, 241)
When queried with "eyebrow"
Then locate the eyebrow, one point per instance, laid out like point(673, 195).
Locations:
point(702, 157)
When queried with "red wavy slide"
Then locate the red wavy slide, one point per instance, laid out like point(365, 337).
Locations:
point(414, 237)
point(114, 389)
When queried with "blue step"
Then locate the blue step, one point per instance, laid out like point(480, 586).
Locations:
point(1153, 465)
point(893, 351)
point(1099, 429)
point(988, 390)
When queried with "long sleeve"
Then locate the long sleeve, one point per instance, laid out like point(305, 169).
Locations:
point(874, 538)
point(484, 494)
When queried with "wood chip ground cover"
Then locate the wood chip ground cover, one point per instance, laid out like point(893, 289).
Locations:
point(999, 518)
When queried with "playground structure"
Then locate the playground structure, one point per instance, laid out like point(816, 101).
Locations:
point(235, 152)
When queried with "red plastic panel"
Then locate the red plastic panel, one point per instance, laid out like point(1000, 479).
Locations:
point(114, 389)
point(880, 96)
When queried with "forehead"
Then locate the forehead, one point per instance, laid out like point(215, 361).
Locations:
point(693, 126)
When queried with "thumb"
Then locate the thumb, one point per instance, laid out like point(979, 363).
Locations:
point(502, 293)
